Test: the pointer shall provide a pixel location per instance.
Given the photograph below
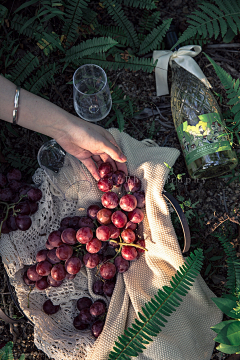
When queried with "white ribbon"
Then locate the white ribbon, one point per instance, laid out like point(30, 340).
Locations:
point(184, 58)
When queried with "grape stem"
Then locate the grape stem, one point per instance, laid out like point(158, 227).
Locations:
point(9, 207)
point(29, 295)
point(125, 244)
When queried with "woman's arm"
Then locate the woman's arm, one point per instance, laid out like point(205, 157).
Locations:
point(83, 139)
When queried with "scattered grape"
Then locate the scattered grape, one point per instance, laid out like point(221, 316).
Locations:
point(97, 309)
point(85, 316)
point(97, 328)
point(84, 303)
point(107, 270)
point(98, 287)
point(49, 308)
point(108, 287)
point(78, 324)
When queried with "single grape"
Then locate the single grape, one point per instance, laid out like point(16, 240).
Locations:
point(140, 242)
point(32, 273)
point(6, 194)
point(5, 228)
point(104, 216)
point(22, 208)
point(27, 281)
point(54, 238)
point(41, 255)
point(65, 222)
point(119, 178)
point(24, 189)
point(78, 324)
point(85, 316)
point(92, 211)
point(132, 184)
point(42, 284)
point(91, 260)
point(23, 222)
point(103, 248)
point(84, 303)
point(98, 287)
point(14, 174)
point(84, 235)
point(105, 169)
point(73, 265)
point(15, 185)
point(70, 276)
point(3, 180)
point(97, 309)
point(130, 225)
point(49, 308)
point(33, 207)
point(15, 198)
point(68, 236)
point(119, 219)
point(108, 287)
point(128, 236)
point(136, 216)
point(121, 264)
point(74, 221)
point(85, 221)
point(105, 184)
point(64, 252)
point(103, 233)
point(97, 328)
point(94, 246)
point(11, 223)
point(44, 268)
point(128, 202)
point(34, 194)
point(48, 246)
point(52, 257)
point(107, 270)
point(140, 196)
point(114, 231)
point(52, 282)
point(110, 200)
point(129, 252)
point(58, 272)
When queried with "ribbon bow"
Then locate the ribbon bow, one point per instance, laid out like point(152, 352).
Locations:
point(184, 58)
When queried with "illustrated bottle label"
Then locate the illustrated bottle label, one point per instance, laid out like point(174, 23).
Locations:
point(206, 137)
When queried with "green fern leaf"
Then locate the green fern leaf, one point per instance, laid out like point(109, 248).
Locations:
point(142, 4)
point(89, 17)
point(3, 13)
point(115, 10)
point(148, 22)
point(114, 32)
point(23, 68)
point(155, 37)
point(129, 344)
point(43, 77)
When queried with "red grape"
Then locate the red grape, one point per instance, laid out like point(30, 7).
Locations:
point(91, 260)
point(130, 225)
point(97, 309)
point(84, 235)
point(78, 324)
point(132, 184)
point(140, 196)
point(11, 223)
point(86, 222)
point(94, 246)
point(128, 202)
point(105, 184)
point(136, 216)
point(129, 252)
point(49, 308)
point(33, 207)
point(23, 208)
point(24, 189)
point(42, 284)
point(54, 238)
point(44, 268)
point(34, 194)
point(107, 270)
point(97, 328)
point(41, 255)
point(140, 242)
point(119, 219)
point(74, 221)
point(103, 248)
point(6, 194)
point(58, 272)
point(98, 287)
point(114, 231)
point(65, 222)
point(3, 180)
point(85, 316)
point(110, 200)
point(84, 303)
point(92, 211)
point(121, 264)
point(128, 236)
point(105, 169)
point(113, 245)
point(52, 257)
point(73, 265)
point(27, 281)
point(14, 174)
point(5, 228)
point(23, 222)
point(70, 276)
point(108, 287)
point(32, 273)
point(64, 252)
point(68, 236)
point(48, 246)
point(103, 233)
point(119, 178)
point(104, 216)
point(15, 185)
point(52, 282)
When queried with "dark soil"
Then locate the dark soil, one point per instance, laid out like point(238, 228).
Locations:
point(218, 203)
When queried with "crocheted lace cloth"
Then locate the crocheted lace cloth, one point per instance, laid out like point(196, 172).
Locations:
point(187, 334)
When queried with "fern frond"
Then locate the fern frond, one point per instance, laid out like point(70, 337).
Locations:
point(115, 10)
point(213, 19)
point(148, 22)
point(196, 40)
point(89, 17)
point(114, 32)
point(88, 47)
point(43, 77)
point(155, 37)
point(153, 314)
point(3, 13)
point(23, 68)
point(142, 4)
point(73, 17)
point(232, 90)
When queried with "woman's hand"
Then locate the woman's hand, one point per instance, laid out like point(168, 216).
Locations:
point(90, 144)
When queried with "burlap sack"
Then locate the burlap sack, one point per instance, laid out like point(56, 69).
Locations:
point(186, 336)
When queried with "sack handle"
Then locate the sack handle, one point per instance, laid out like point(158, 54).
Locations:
point(182, 218)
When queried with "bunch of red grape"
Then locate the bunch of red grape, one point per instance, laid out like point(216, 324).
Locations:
point(18, 201)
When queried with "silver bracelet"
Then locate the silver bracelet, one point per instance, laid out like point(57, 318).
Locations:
point(15, 111)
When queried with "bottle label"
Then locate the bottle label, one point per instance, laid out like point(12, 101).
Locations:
point(206, 137)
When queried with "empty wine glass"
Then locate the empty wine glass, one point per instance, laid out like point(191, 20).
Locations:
point(91, 94)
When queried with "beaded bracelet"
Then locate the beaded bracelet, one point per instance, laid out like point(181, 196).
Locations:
point(15, 111)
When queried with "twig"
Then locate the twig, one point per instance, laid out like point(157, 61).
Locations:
point(225, 204)
point(219, 46)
